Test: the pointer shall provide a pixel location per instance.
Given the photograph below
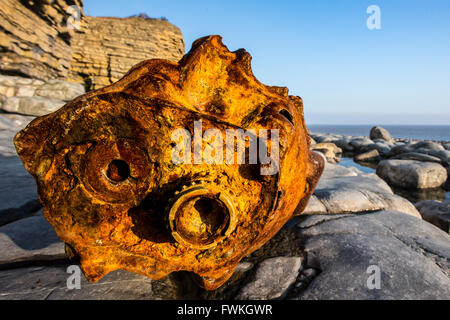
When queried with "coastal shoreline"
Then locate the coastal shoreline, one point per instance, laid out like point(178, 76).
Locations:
point(351, 213)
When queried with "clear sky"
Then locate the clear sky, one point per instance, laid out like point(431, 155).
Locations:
point(324, 52)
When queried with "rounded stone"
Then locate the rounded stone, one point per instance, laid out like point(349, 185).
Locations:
point(409, 174)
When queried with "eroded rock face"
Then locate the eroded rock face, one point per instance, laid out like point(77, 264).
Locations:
point(124, 43)
point(105, 174)
point(46, 40)
point(35, 37)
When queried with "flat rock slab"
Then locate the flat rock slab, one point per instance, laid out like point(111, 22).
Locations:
point(412, 255)
point(50, 283)
point(29, 239)
point(273, 278)
point(348, 190)
point(336, 171)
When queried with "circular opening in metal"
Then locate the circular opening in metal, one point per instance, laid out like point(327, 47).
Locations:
point(118, 170)
point(202, 217)
point(202, 220)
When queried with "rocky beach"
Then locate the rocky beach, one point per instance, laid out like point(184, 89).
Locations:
point(393, 217)
point(354, 220)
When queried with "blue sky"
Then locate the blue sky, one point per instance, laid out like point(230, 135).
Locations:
point(324, 52)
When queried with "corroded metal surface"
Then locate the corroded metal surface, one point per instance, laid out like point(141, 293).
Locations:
point(105, 174)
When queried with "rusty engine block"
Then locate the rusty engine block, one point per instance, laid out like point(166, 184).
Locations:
point(105, 173)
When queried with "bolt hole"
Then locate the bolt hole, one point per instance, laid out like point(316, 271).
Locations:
point(118, 170)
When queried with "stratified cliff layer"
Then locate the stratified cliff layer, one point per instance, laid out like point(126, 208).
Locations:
point(34, 38)
point(106, 48)
point(52, 39)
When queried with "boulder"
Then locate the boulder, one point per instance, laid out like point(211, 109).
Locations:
point(411, 255)
point(417, 156)
point(423, 147)
point(430, 145)
point(273, 278)
point(329, 146)
point(399, 149)
point(329, 150)
point(382, 147)
point(435, 212)
point(369, 156)
point(345, 144)
point(444, 155)
point(380, 133)
point(360, 142)
point(409, 174)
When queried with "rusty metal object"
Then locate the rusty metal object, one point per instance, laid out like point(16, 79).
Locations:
point(113, 194)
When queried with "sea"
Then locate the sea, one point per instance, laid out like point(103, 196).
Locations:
point(417, 132)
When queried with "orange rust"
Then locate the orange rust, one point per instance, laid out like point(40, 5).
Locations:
point(110, 189)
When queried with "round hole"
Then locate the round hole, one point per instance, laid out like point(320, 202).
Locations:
point(202, 220)
point(202, 217)
point(118, 170)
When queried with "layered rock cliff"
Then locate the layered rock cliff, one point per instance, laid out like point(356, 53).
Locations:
point(106, 48)
point(35, 40)
point(52, 39)
point(50, 43)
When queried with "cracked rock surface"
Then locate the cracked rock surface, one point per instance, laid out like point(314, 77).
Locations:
point(412, 255)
